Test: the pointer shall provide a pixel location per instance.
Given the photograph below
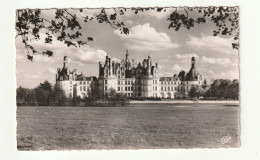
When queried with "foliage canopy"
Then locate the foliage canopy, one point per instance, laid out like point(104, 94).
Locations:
point(66, 24)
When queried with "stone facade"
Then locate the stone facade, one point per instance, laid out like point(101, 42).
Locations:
point(129, 78)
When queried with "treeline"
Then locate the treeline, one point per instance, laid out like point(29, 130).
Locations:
point(220, 89)
point(47, 95)
point(42, 95)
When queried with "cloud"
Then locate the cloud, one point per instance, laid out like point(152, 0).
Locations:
point(165, 60)
point(176, 67)
point(165, 74)
point(34, 76)
point(90, 55)
point(230, 75)
point(160, 66)
point(21, 56)
point(129, 22)
point(40, 44)
point(186, 56)
point(225, 75)
point(213, 43)
point(116, 59)
point(159, 15)
point(52, 70)
point(218, 61)
point(144, 38)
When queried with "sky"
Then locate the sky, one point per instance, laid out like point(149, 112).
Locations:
point(148, 35)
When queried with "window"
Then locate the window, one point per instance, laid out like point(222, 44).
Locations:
point(168, 82)
point(165, 88)
point(168, 88)
point(118, 82)
point(84, 82)
point(105, 88)
point(131, 88)
point(172, 88)
point(162, 88)
point(125, 81)
point(128, 88)
point(80, 82)
point(128, 82)
point(125, 88)
point(172, 82)
point(161, 82)
point(156, 88)
point(105, 81)
point(118, 88)
point(80, 88)
point(128, 94)
point(84, 88)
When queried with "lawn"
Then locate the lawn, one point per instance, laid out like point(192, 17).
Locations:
point(137, 126)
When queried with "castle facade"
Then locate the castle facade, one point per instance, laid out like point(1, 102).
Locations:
point(129, 78)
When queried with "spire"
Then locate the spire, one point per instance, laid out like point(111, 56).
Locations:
point(65, 62)
point(107, 48)
point(127, 60)
point(193, 62)
point(127, 54)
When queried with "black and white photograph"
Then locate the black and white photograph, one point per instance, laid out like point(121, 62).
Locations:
point(127, 78)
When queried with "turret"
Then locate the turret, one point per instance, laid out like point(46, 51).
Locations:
point(193, 62)
point(126, 55)
point(127, 60)
point(65, 62)
point(100, 68)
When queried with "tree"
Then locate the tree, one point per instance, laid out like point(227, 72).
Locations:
point(233, 90)
point(25, 96)
point(115, 97)
point(66, 26)
point(111, 94)
point(197, 91)
point(42, 96)
point(214, 90)
point(59, 97)
point(75, 99)
point(224, 83)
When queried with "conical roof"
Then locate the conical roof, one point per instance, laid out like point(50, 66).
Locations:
point(192, 74)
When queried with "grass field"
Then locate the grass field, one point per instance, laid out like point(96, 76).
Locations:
point(137, 126)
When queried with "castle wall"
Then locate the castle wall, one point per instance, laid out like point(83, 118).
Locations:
point(142, 81)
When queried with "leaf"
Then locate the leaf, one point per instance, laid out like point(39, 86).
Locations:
point(30, 58)
point(90, 39)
